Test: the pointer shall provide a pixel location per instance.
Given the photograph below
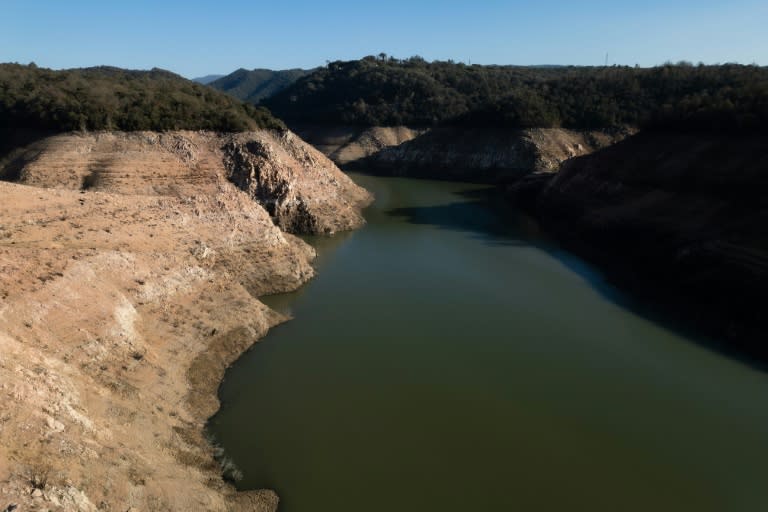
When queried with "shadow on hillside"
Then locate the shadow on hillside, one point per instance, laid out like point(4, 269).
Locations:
point(12, 155)
point(486, 215)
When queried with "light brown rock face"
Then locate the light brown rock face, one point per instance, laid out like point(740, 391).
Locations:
point(122, 303)
point(455, 152)
point(294, 182)
point(348, 144)
point(486, 155)
point(301, 188)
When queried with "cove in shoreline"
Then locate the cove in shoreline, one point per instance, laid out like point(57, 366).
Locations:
point(447, 357)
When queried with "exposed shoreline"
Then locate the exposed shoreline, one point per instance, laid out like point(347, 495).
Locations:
point(454, 153)
point(125, 302)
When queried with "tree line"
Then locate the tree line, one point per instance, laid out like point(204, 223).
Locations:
point(386, 91)
point(106, 98)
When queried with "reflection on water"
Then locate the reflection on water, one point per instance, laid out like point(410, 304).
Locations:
point(449, 357)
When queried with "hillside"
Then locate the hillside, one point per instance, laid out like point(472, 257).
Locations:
point(382, 91)
point(41, 100)
point(488, 155)
point(131, 267)
point(258, 84)
point(679, 217)
point(349, 145)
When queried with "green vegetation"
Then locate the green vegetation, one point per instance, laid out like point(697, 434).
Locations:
point(677, 97)
point(41, 100)
point(253, 86)
point(386, 91)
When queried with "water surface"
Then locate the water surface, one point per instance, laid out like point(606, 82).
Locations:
point(449, 358)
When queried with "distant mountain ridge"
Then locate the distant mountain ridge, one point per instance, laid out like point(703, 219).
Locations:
point(257, 84)
point(205, 80)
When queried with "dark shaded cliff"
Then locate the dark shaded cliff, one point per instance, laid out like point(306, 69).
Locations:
point(679, 217)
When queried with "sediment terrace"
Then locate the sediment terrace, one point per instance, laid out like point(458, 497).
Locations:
point(349, 144)
point(131, 266)
point(460, 153)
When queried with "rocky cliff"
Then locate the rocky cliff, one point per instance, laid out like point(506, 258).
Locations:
point(679, 217)
point(131, 270)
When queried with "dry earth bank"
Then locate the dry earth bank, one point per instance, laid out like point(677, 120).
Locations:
point(453, 152)
point(348, 144)
point(487, 155)
point(131, 266)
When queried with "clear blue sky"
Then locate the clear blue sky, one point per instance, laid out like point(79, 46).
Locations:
point(196, 38)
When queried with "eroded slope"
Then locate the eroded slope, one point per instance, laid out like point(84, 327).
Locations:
point(488, 155)
point(301, 188)
point(129, 277)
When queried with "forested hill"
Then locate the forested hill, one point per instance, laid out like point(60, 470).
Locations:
point(386, 91)
point(105, 98)
point(257, 84)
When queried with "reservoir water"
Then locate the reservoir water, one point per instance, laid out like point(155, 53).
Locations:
point(449, 358)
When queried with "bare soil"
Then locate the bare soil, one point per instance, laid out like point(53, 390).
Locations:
point(123, 298)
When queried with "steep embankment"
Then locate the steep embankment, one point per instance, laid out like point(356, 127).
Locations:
point(681, 217)
point(302, 190)
point(485, 155)
point(128, 284)
point(348, 145)
point(452, 152)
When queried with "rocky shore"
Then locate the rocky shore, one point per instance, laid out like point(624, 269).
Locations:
point(491, 155)
point(131, 270)
point(485, 154)
point(350, 145)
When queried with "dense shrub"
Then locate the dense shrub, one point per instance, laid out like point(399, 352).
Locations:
point(386, 91)
point(107, 98)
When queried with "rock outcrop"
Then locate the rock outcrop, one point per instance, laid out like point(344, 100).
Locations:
point(303, 190)
point(486, 155)
point(130, 279)
point(679, 217)
point(455, 153)
point(303, 198)
point(348, 145)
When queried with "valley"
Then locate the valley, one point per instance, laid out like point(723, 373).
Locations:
point(526, 277)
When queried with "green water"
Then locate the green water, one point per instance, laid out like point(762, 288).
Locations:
point(448, 358)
